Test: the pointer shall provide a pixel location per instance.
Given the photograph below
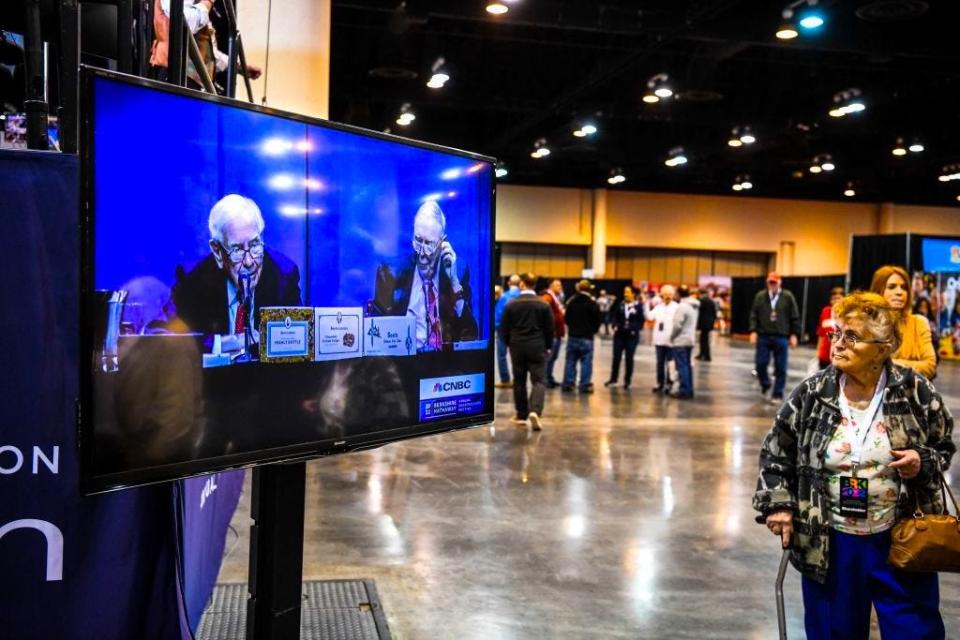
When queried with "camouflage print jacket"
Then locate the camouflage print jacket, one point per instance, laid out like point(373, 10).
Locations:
point(791, 459)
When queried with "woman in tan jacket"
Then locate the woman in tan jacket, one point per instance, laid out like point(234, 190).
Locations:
point(916, 351)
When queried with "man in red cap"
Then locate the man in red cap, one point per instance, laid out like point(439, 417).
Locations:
point(774, 324)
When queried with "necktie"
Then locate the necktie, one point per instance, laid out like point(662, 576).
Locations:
point(434, 334)
point(240, 324)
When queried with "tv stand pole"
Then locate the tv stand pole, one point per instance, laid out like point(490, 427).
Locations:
point(276, 552)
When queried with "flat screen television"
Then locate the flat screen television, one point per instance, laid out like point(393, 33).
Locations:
point(260, 286)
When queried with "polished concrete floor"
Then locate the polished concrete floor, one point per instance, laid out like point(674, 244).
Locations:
point(628, 516)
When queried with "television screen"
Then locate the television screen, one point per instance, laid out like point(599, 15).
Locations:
point(261, 286)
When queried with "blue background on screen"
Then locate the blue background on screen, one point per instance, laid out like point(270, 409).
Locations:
point(338, 204)
point(941, 255)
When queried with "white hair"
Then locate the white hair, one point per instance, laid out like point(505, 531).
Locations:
point(668, 288)
point(229, 208)
point(432, 209)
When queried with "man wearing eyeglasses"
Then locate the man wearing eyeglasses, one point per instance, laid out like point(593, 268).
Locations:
point(432, 287)
point(222, 295)
point(774, 328)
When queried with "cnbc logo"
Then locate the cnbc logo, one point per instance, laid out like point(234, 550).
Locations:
point(451, 386)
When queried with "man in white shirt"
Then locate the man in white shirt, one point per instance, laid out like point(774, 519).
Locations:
point(662, 318)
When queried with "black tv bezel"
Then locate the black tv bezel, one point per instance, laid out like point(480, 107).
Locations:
point(92, 483)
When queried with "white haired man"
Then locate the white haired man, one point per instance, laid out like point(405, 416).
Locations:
point(662, 318)
point(208, 296)
point(431, 286)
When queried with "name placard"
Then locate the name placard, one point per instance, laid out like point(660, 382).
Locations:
point(337, 333)
point(389, 336)
point(286, 334)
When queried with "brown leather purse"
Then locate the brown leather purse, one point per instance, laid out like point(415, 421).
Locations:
point(927, 542)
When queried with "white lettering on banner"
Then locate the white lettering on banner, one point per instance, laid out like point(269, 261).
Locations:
point(54, 539)
point(17, 454)
point(51, 462)
point(433, 388)
point(208, 488)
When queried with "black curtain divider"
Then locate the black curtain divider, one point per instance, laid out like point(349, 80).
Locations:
point(867, 253)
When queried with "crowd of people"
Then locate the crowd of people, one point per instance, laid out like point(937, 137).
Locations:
point(857, 447)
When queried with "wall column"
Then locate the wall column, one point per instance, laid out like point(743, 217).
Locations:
point(298, 76)
point(786, 257)
point(885, 217)
point(598, 245)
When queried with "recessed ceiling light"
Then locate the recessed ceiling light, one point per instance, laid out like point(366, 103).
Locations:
point(663, 92)
point(811, 21)
point(651, 98)
point(497, 8)
point(828, 166)
point(916, 147)
point(815, 169)
point(787, 32)
point(849, 193)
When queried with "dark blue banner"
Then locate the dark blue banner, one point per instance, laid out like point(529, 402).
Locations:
point(102, 567)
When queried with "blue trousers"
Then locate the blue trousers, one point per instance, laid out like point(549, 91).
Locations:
point(552, 360)
point(907, 604)
point(779, 346)
point(681, 355)
point(579, 350)
point(502, 366)
point(663, 355)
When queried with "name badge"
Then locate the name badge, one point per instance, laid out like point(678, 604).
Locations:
point(773, 316)
point(853, 497)
point(660, 327)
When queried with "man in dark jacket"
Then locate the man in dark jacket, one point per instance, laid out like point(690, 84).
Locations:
point(705, 322)
point(774, 323)
point(527, 327)
point(554, 297)
point(583, 321)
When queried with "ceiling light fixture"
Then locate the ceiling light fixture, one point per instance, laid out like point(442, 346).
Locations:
point(950, 172)
point(847, 102)
point(916, 146)
point(440, 76)
point(899, 149)
point(658, 89)
point(497, 8)
point(822, 162)
point(616, 176)
point(741, 136)
point(540, 149)
point(850, 192)
point(586, 129)
point(501, 170)
point(787, 32)
point(742, 183)
point(675, 157)
point(407, 116)
point(809, 19)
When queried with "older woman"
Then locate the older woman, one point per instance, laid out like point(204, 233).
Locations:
point(916, 350)
point(849, 453)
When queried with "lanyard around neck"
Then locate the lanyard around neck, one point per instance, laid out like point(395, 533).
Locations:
point(857, 446)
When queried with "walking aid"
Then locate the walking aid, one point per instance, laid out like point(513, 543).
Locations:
point(781, 615)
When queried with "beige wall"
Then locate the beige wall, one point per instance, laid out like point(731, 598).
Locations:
point(813, 235)
point(544, 215)
point(820, 231)
point(299, 69)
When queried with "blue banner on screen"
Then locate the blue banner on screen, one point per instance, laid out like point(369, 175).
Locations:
point(229, 218)
point(941, 255)
point(451, 397)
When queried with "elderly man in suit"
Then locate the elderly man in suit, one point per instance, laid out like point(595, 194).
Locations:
point(431, 286)
point(224, 292)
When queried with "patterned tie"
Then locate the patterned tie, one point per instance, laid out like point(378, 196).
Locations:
point(240, 324)
point(435, 335)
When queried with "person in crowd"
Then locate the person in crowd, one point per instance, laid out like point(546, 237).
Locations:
point(682, 337)
point(916, 349)
point(705, 322)
point(924, 308)
point(432, 286)
point(196, 15)
point(554, 297)
point(825, 326)
point(224, 292)
point(869, 421)
point(527, 326)
point(627, 320)
point(661, 315)
point(774, 324)
point(605, 304)
point(503, 369)
point(583, 322)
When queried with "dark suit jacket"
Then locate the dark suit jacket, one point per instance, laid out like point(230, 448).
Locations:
point(393, 298)
point(200, 294)
point(708, 314)
point(634, 325)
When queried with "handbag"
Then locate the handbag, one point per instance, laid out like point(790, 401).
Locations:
point(927, 542)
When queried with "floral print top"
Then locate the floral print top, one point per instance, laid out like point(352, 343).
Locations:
point(883, 482)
